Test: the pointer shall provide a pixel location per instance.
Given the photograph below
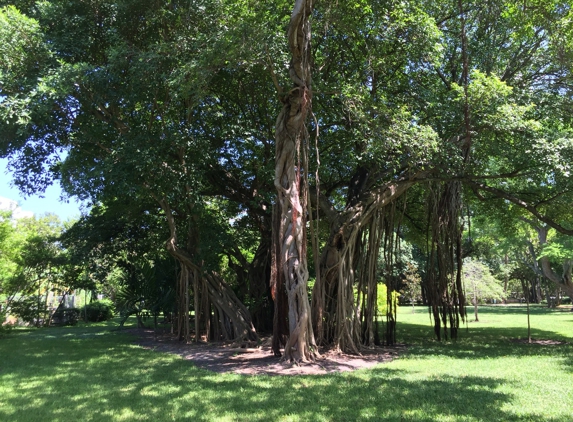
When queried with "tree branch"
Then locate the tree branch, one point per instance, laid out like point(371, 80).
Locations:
point(520, 203)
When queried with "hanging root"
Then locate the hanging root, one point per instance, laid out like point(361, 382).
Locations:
point(346, 294)
point(444, 266)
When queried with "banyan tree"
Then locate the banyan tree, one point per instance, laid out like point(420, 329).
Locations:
point(344, 297)
point(291, 163)
point(391, 120)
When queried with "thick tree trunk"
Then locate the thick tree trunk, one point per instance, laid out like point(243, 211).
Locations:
point(566, 280)
point(183, 305)
point(506, 279)
point(278, 292)
point(196, 307)
point(475, 303)
point(290, 181)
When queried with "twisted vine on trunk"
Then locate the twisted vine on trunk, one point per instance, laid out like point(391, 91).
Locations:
point(290, 182)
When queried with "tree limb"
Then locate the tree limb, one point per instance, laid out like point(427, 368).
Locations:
point(520, 203)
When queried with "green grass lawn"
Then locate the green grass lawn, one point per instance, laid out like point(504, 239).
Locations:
point(93, 373)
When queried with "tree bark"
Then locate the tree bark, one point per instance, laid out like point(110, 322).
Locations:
point(278, 292)
point(290, 182)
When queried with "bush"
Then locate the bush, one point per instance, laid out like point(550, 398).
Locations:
point(5, 326)
point(382, 300)
point(97, 311)
point(30, 310)
point(66, 316)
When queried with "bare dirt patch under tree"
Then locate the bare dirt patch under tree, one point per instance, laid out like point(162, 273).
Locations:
point(224, 357)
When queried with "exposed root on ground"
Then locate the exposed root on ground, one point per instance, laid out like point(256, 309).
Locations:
point(250, 360)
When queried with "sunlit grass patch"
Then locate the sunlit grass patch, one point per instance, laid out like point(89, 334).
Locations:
point(97, 373)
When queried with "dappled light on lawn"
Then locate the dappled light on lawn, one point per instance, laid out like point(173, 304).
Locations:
point(107, 377)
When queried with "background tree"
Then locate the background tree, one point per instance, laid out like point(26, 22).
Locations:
point(480, 284)
point(117, 99)
point(35, 268)
point(412, 290)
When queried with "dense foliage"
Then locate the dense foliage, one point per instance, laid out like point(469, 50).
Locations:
point(97, 311)
point(442, 125)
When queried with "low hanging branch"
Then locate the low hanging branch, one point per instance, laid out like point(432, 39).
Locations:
point(291, 184)
point(478, 186)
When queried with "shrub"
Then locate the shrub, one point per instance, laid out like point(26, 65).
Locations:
point(5, 326)
point(66, 316)
point(30, 310)
point(97, 311)
point(382, 300)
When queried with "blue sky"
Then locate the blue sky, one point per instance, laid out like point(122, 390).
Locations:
point(50, 203)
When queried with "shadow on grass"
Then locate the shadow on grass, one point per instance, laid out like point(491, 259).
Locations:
point(108, 378)
point(534, 309)
point(92, 373)
point(487, 342)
